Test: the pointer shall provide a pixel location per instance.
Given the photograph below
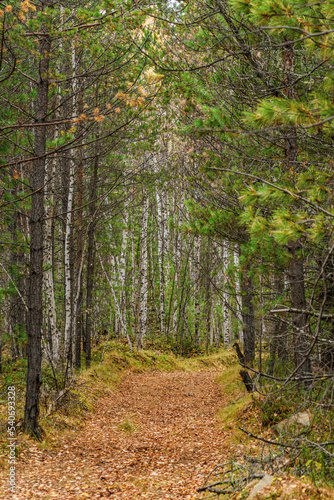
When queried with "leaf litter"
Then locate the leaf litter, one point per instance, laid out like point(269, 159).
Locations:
point(156, 436)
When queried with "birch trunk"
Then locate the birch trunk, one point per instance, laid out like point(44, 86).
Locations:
point(197, 276)
point(177, 260)
point(226, 312)
point(217, 331)
point(134, 277)
point(49, 290)
point(117, 305)
point(165, 214)
point(122, 270)
point(212, 310)
point(161, 258)
point(238, 292)
point(68, 232)
point(50, 301)
point(17, 304)
point(67, 264)
point(142, 330)
point(78, 317)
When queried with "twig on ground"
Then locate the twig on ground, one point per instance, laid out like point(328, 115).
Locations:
point(284, 445)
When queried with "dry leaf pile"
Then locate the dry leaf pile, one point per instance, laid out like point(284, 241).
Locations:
point(155, 437)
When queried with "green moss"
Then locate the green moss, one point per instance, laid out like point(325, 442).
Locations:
point(127, 426)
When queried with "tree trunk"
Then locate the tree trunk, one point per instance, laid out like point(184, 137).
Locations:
point(209, 338)
point(216, 320)
point(122, 269)
point(17, 262)
point(161, 258)
point(177, 259)
point(248, 316)
point(238, 292)
point(79, 315)
point(35, 282)
point(143, 279)
point(226, 323)
point(212, 312)
point(117, 305)
point(296, 266)
point(68, 246)
point(50, 301)
point(67, 266)
point(134, 285)
point(197, 276)
point(90, 264)
point(298, 301)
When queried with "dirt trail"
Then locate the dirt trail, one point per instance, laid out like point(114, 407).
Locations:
point(155, 437)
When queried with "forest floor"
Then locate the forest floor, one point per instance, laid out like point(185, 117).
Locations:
point(156, 436)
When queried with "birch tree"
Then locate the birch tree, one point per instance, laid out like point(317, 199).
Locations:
point(226, 321)
point(50, 301)
point(142, 327)
point(238, 292)
point(197, 282)
point(161, 257)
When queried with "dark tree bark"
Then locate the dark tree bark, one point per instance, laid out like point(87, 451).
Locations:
point(278, 348)
point(241, 357)
point(296, 266)
point(247, 296)
point(298, 301)
point(35, 282)
point(247, 380)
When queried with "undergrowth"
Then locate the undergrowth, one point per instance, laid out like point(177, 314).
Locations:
point(312, 447)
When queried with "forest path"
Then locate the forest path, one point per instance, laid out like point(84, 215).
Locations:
point(155, 437)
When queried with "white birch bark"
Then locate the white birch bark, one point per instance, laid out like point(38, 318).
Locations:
point(238, 293)
point(142, 329)
point(122, 319)
point(49, 291)
point(122, 268)
point(115, 272)
point(134, 275)
point(177, 259)
point(212, 309)
point(226, 323)
point(197, 275)
point(161, 257)
point(67, 270)
point(217, 331)
point(165, 216)
point(76, 298)
point(68, 227)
